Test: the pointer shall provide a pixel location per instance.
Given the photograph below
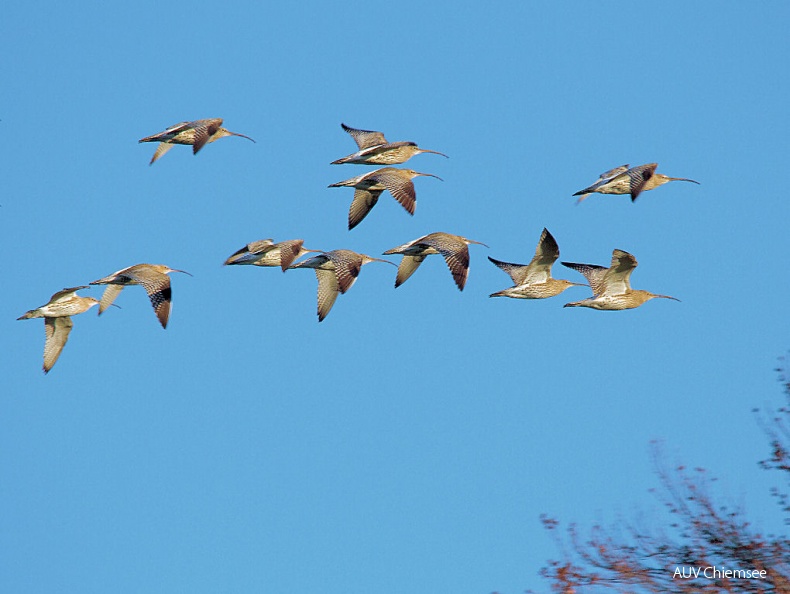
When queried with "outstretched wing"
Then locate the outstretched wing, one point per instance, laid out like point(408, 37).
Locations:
point(603, 179)
point(57, 334)
point(167, 134)
point(638, 177)
point(110, 293)
point(160, 151)
point(157, 285)
point(546, 253)
point(456, 254)
point(365, 138)
point(516, 272)
point(347, 267)
point(250, 253)
point(593, 273)
point(406, 268)
point(65, 293)
point(289, 251)
point(363, 203)
point(402, 188)
point(612, 173)
point(204, 130)
point(327, 291)
point(619, 273)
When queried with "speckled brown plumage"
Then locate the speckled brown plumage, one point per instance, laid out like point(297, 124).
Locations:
point(198, 133)
point(368, 188)
point(375, 150)
point(611, 286)
point(452, 247)
point(152, 277)
point(534, 280)
point(267, 253)
point(57, 320)
point(336, 272)
point(625, 180)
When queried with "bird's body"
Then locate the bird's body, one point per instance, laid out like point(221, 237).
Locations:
point(375, 150)
point(633, 181)
point(267, 253)
point(57, 320)
point(336, 272)
point(612, 286)
point(453, 248)
point(534, 280)
point(152, 277)
point(197, 133)
point(369, 186)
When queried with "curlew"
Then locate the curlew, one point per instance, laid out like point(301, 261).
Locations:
point(336, 272)
point(57, 320)
point(612, 286)
point(197, 133)
point(153, 278)
point(368, 188)
point(625, 180)
point(267, 253)
point(534, 280)
point(452, 247)
point(375, 150)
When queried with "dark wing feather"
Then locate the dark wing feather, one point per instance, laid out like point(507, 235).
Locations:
point(157, 285)
point(456, 254)
point(347, 267)
point(638, 177)
point(365, 138)
point(401, 188)
point(516, 272)
point(289, 251)
point(593, 273)
point(363, 203)
point(204, 130)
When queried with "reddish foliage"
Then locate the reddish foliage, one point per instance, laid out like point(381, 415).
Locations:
point(704, 534)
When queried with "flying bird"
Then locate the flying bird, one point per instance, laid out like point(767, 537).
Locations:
point(534, 280)
point(197, 133)
point(452, 247)
point(57, 320)
point(267, 253)
point(336, 272)
point(612, 286)
point(153, 278)
point(625, 180)
point(375, 150)
point(368, 188)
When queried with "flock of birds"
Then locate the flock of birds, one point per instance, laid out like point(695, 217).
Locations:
point(337, 270)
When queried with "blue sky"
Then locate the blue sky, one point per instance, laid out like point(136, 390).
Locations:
point(410, 442)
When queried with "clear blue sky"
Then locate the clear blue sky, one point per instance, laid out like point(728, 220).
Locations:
point(410, 442)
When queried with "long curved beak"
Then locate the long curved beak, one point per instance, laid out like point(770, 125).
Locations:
point(242, 135)
point(184, 271)
point(434, 152)
point(477, 242)
point(683, 179)
point(667, 297)
point(431, 174)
